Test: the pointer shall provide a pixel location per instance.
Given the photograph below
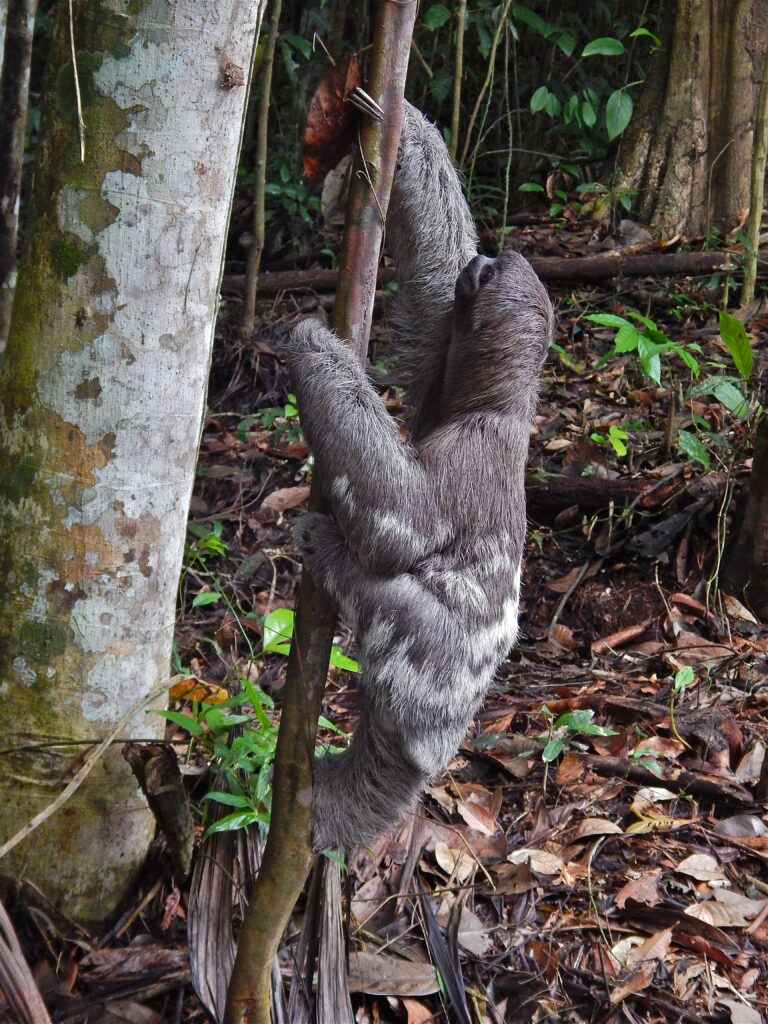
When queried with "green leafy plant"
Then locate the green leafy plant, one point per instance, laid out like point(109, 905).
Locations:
point(283, 419)
point(683, 677)
point(638, 334)
point(615, 439)
point(207, 543)
point(581, 106)
point(240, 748)
point(291, 197)
point(563, 732)
point(278, 633)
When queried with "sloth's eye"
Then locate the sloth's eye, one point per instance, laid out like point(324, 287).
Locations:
point(486, 275)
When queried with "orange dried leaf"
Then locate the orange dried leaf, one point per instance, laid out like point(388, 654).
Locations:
point(332, 122)
point(191, 688)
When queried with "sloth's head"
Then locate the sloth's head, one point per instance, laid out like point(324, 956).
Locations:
point(502, 326)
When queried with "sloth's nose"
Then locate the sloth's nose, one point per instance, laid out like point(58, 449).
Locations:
point(478, 272)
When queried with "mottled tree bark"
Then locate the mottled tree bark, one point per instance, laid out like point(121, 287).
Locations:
point(103, 395)
point(688, 148)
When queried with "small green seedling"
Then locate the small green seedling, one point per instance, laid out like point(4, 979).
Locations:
point(615, 438)
point(562, 733)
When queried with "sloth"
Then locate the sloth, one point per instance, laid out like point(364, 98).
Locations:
point(422, 548)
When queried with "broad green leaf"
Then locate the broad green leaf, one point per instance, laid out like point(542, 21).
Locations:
point(192, 726)
point(690, 360)
point(617, 436)
point(552, 750)
point(553, 105)
point(436, 16)
point(230, 799)
point(644, 32)
point(648, 351)
point(618, 112)
point(532, 20)
point(539, 99)
point(326, 723)
point(240, 819)
point(566, 42)
point(340, 660)
point(627, 339)
point(440, 83)
point(691, 446)
point(278, 628)
point(642, 319)
point(304, 46)
point(531, 186)
point(580, 720)
point(588, 114)
point(735, 336)
point(606, 46)
point(730, 396)
point(571, 108)
point(577, 365)
point(684, 677)
point(608, 320)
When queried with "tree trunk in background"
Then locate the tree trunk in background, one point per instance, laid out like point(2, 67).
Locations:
point(17, 31)
point(745, 565)
point(688, 147)
point(103, 395)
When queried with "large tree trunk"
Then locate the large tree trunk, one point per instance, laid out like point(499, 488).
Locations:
point(103, 396)
point(745, 565)
point(689, 145)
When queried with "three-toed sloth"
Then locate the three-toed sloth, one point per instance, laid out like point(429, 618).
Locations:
point(421, 552)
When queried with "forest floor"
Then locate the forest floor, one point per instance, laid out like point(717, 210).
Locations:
point(598, 849)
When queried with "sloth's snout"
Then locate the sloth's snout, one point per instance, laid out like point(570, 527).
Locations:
point(477, 273)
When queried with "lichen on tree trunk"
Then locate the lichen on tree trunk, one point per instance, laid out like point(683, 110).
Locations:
point(103, 396)
point(688, 147)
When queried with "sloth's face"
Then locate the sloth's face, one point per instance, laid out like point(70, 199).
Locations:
point(500, 305)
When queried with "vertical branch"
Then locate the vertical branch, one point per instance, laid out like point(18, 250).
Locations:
point(486, 83)
point(756, 190)
point(458, 72)
point(254, 253)
point(14, 95)
point(287, 854)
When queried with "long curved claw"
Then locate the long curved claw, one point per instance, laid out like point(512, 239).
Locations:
point(366, 104)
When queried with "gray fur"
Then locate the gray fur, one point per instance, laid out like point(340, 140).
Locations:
point(422, 552)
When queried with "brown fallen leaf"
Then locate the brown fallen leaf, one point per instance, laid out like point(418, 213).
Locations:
point(618, 639)
point(697, 652)
point(457, 863)
point(417, 1013)
point(636, 982)
point(477, 817)
point(655, 948)
point(562, 636)
point(597, 827)
point(570, 769)
point(701, 866)
point(381, 975)
point(644, 889)
point(283, 498)
point(740, 1012)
